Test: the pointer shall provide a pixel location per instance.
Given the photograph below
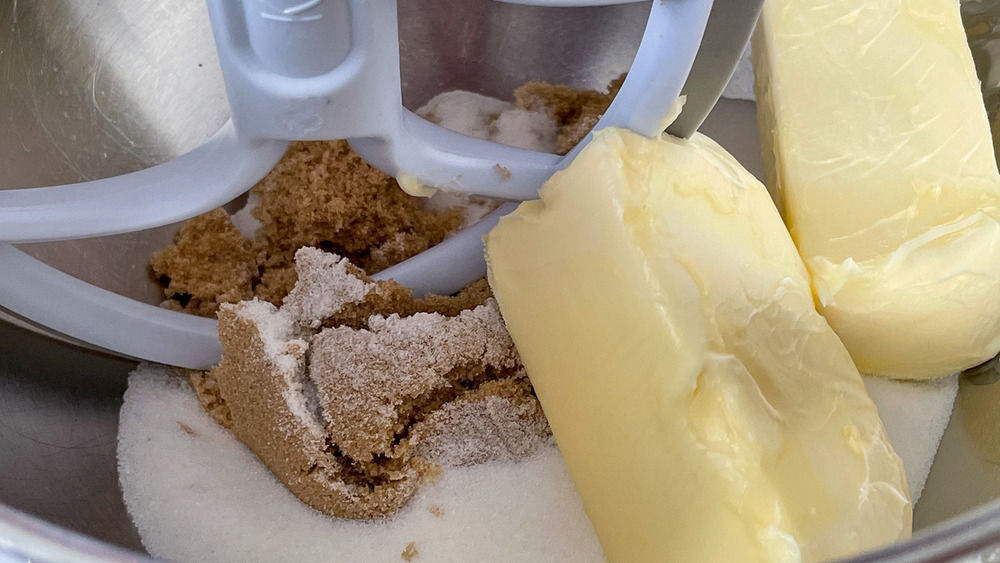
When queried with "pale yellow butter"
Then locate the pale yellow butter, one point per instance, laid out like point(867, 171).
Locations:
point(706, 411)
point(409, 184)
point(879, 151)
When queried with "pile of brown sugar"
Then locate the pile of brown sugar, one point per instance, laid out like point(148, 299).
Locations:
point(354, 392)
point(321, 194)
point(353, 414)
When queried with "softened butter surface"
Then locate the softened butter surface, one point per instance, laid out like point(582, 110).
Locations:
point(706, 411)
point(879, 152)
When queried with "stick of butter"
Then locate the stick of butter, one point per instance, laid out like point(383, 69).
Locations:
point(706, 411)
point(879, 152)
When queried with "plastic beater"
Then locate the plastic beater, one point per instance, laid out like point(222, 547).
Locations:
point(329, 69)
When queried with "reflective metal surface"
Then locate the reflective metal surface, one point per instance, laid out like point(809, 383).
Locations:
point(93, 88)
point(58, 426)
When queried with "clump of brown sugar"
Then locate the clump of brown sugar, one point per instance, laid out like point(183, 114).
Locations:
point(352, 416)
point(376, 384)
point(209, 263)
point(321, 194)
point(575, 111)
point(324, 195)
point(501, 419)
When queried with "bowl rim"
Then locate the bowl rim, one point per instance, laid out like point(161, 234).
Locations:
point(24, 537)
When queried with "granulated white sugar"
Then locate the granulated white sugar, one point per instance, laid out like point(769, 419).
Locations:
point(474, 208)
point(491, 119)
point(525, 129)
point(244, 221)
point(464, 112)
point(915, 415)
point(196, 494)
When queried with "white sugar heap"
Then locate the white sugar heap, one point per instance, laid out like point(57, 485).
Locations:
point(491, 119)
point(196, 494)
point(915, 415)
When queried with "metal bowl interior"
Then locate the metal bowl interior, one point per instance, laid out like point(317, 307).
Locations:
point(96, 88)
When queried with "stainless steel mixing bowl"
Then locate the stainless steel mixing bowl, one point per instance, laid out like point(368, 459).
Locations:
point(94, 88)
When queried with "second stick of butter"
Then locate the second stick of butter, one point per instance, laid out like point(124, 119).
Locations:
point(879, 150)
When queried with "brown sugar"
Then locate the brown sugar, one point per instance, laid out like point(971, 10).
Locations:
point(209, 263)
point(321, 194)
point(207, 390)
point(500, 421)
point(410, 552)
point(331, 292)
point(575, 111)
point(504, 172)
point(353, 418)
point(264, 383)
point(375, 384)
